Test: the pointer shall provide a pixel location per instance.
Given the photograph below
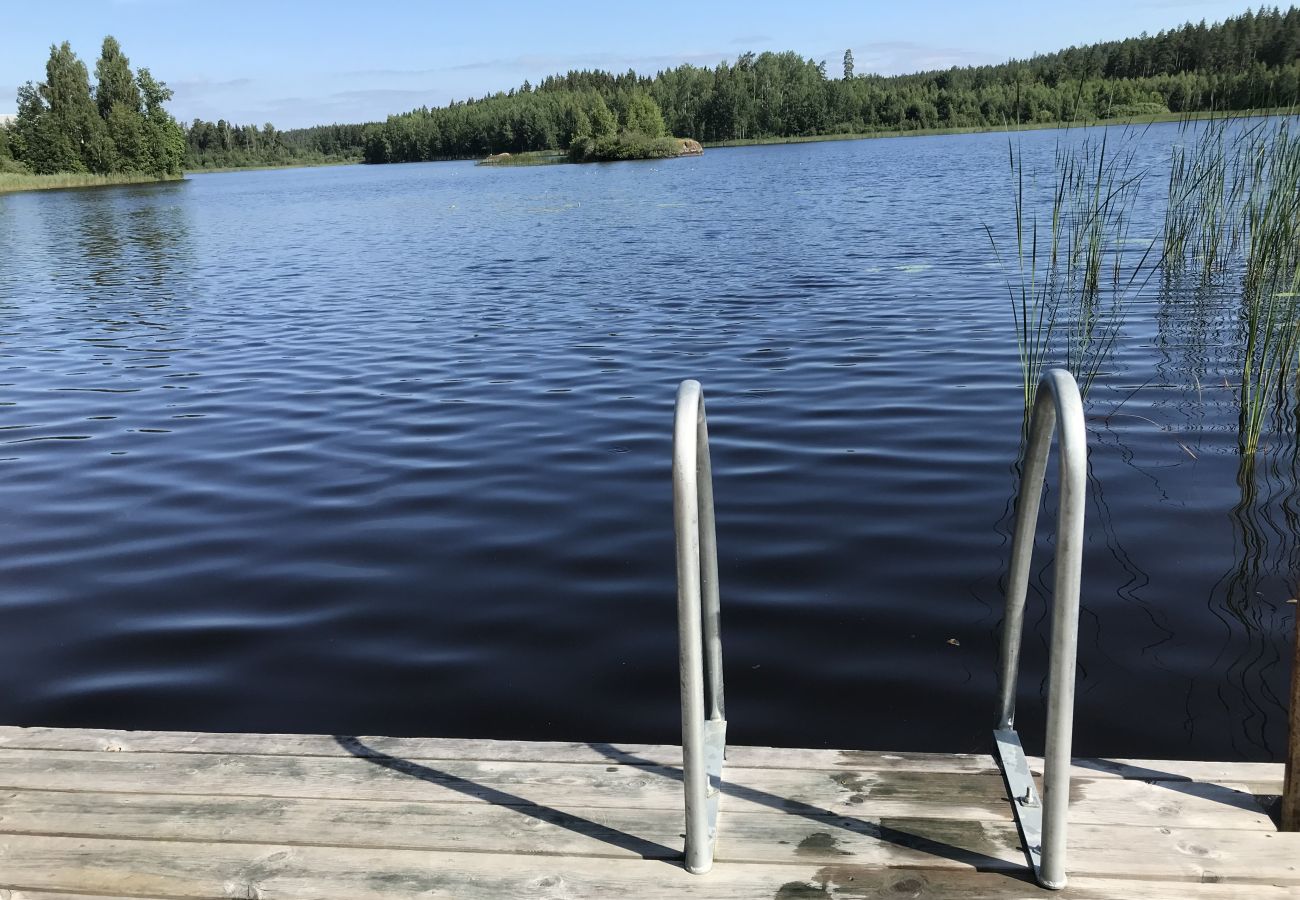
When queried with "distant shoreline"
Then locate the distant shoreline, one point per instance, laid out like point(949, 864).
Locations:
point(216, 170)
point(14, 182)
point(1151, 119)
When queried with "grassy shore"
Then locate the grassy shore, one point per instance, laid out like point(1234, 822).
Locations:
point(25, 181)
point(527, 158)
point(985, 129)
point(22, 181)
point(269, 168)
point(609, 149)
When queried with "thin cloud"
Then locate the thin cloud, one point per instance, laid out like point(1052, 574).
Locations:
point(388, 73)
point(382, 94)
point(208, 82)
point(902, 57)
point(196, 87)
point(611, 61)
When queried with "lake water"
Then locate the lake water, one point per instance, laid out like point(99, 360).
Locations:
point(387, 450)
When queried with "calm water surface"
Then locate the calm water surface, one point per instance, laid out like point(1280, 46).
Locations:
point(386, 450)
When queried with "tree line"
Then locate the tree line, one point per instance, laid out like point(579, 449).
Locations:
point(223, 144)
point(1247, 62)
point(1250, 61)
point(118, 125)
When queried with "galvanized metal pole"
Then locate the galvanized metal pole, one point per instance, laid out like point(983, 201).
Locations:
point(698, 629)
point(1065, 621)
point(1057, 407)
point(716, 705)
point(1022, 551)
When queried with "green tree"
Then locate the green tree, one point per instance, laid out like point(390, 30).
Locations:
point(126, 129)
point(118, 99)
point(120, 126)
point(848, 64)
point(114, 81)
point(639, 114)
point(37, 141)
point(164, 141)
point(603, 121)
point(7, 153)
point(82, 141)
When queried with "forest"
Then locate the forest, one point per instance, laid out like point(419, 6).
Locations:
point(118, 126)
point(223, 145)
point(1251, 61)
point(1247, 62)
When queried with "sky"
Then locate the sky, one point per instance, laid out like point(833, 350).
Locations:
point(297, 63)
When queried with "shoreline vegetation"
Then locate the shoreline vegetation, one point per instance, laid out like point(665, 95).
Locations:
point(1245, 63)
point(1012, 127)
point(16, 181)
point(615, 149)
point(69, 133)
point(12, 182)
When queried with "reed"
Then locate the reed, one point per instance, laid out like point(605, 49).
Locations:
point(24, 181)
point(1233, 218)
point(1073, 274)
point(1271, 280)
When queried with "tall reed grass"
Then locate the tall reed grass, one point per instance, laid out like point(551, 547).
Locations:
point(1073, 273)
point(1234, 216)
point(24, 181)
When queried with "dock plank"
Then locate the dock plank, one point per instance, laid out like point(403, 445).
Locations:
point(944, 795)
point(419, 749)
point(921, 843)
point(193, 871)
point(95, 814)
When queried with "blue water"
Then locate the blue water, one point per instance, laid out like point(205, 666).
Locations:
point(386, 450)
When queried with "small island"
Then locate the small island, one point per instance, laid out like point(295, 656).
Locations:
point(534, 128)
point(623, 146)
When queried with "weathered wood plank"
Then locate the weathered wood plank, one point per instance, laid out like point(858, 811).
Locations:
point(944, 795)
point(1174, 770)
point(1098, 850)
point(207, 871)
point(1114, 801)
point(418, 749)
point(22, 894)
point(567, 831)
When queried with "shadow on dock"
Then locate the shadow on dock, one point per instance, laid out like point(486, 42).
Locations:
point(1204, 790)
point(646, 849)
point(822, 840)
point(828, 819)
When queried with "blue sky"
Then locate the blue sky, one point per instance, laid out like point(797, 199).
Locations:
point(298, 63)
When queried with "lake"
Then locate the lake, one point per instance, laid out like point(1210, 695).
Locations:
point(386, 450)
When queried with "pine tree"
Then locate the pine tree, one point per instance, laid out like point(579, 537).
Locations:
point(848, 65)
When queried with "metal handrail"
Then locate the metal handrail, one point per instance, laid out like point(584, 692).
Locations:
point(1057, 407)
point(704, 724)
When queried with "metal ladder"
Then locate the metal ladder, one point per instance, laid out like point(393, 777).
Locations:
point(704, 723)
point(1058, 408)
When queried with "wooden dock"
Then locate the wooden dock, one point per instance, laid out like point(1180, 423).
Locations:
point(96, 814)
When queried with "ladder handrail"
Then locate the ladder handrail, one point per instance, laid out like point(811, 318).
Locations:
point(699, 641)
point(1058, 408)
